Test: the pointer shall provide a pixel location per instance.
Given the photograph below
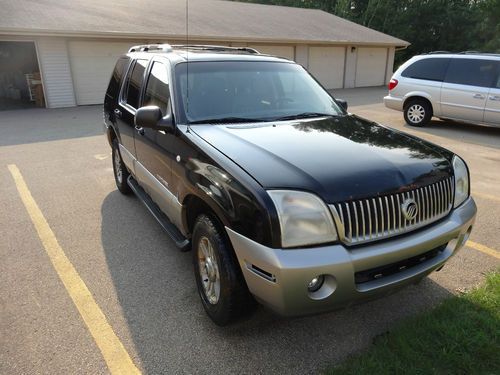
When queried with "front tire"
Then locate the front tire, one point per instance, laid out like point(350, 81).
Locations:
point(418, 113)
point(120, 170)
point(222, 289)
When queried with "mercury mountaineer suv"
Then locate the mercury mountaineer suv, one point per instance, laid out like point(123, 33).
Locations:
point(283, 196)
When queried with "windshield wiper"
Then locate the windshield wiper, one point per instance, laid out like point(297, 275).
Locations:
point(225, 120)
point(302, 115)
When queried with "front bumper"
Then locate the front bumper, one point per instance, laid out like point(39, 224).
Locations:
point(393, 103)
point(278, 278)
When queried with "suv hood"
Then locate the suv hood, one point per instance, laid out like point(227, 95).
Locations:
point(339, 159)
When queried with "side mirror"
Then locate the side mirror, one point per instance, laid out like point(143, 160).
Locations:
point(151, 117)
point(343, 103)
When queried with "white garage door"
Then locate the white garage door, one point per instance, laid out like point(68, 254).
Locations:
point(370, 67)
point(91, 67)
point(326, 64)
point(287, 52)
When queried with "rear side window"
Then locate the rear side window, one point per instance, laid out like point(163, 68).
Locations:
point(472, 72)
point(432, 69)
point(157, 92)
point(116, 77)
point(134, 83)
point(497, 85)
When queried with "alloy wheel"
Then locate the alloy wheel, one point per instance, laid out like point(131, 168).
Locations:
point(209, 270)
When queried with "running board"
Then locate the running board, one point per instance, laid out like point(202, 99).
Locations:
point(180, 241)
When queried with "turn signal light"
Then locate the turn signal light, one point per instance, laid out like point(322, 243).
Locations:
point(392, 83)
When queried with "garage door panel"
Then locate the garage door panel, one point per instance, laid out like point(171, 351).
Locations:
point(371, 66)
point(288, 52)
point(327, 65)
point(91, 66)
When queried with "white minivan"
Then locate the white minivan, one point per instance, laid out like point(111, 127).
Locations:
point(463, 87)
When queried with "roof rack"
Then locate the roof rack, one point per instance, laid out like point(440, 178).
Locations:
point(438, 52)
point(151, 48)
point(478, 53)
point(463, 53)
point(215, 48)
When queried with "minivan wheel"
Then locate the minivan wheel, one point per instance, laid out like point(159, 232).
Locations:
point(120, 170)
point(222, 289)
point(417, 113)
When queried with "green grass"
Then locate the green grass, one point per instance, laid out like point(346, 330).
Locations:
point(460, 336)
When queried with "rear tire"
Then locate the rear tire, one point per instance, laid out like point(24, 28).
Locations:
point(417, 112)
point(221, 286)
point(120, 171)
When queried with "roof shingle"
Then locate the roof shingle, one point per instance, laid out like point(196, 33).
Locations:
point(208, 19)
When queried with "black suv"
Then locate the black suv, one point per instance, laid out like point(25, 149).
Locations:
point(284, 196)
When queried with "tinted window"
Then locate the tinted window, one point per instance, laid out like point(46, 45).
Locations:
point(116, 77)
point(157, 87)
point(135, 83)
point(471, 72)
point(497, 85)
point(433, 69)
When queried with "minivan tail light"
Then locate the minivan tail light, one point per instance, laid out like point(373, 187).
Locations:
point(392, 83)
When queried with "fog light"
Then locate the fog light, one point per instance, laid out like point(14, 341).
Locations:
point(316, 283)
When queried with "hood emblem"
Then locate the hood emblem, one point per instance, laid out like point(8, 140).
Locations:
point(410, 209)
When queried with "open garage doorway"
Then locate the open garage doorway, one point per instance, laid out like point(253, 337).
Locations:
point(20, 80)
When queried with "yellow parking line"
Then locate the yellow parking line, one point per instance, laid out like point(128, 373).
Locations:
point(483, 249)
point(486, 196)
point(112, 349)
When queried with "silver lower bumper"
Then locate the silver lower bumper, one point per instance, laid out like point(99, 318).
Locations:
point(393, 103)
point(278, 278)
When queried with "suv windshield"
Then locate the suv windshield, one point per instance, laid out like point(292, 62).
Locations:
point(242, 91)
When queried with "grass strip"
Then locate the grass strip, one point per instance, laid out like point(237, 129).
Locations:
point(459, 336)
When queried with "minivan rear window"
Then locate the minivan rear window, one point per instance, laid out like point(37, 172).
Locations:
point(472, 72)
point(432, 69)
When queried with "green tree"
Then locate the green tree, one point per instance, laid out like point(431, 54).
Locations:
point(429, 25)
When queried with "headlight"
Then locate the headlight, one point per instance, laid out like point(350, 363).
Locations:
point(304, 218)
point(461, 181)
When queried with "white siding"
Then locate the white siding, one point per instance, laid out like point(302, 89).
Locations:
point(56, 72)
point(390, 64)
point(302, 55)
point(350, 67)
point(371, 66)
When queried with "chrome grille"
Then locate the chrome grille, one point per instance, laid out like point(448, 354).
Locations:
point(373, 219)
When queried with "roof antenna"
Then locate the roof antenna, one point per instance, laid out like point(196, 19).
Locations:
point(187, 60)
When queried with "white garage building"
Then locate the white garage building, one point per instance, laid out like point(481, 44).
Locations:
point(76, 43)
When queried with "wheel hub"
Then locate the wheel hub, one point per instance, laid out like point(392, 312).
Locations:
point(416, 113)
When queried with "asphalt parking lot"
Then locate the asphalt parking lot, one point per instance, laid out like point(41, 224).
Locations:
point(145, 287)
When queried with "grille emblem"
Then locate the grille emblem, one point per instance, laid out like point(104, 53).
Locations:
point(410, 209)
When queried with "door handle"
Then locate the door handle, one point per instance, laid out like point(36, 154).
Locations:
point(139, 130)
point(118, 113)
point(478, 96)
point(495, 97)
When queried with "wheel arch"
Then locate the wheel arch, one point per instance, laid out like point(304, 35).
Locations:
point(111, 134)
point(193, 206)
point(418, 96)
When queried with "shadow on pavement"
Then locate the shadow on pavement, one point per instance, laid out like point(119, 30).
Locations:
point(171, 333)
point(459, 131)
point(43, 125)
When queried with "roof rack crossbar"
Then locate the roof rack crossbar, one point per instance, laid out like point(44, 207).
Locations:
point(463, 53)
point(151, 47)
point(438, 52)
point(215, 48)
